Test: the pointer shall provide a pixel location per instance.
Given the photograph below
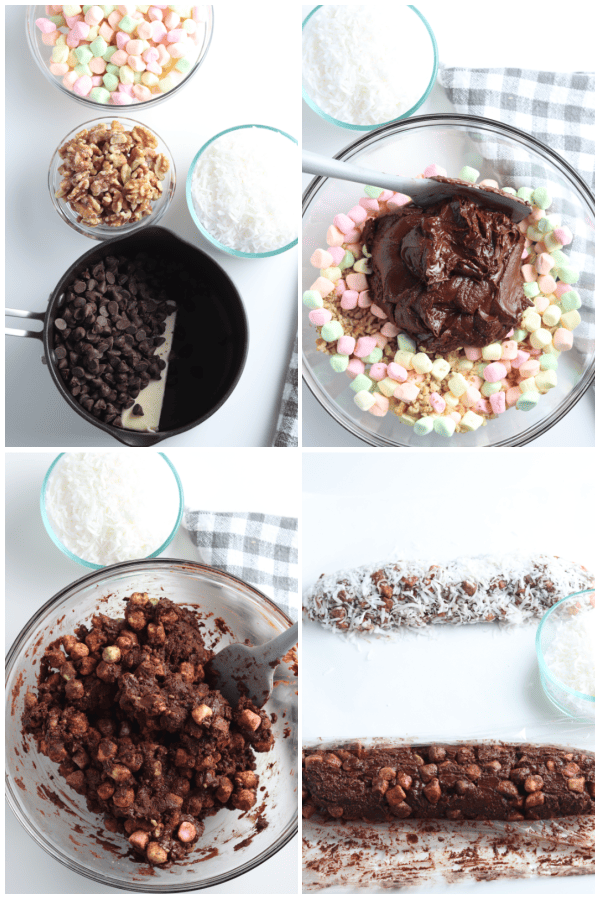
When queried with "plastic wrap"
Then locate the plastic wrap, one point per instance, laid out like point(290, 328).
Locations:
point(420, 855)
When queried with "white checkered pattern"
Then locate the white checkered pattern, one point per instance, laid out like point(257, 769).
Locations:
point(258, 548)
point(286, 433)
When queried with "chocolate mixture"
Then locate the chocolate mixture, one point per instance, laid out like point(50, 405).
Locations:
point(125, 710)
point(449, 276)
point(505, 782)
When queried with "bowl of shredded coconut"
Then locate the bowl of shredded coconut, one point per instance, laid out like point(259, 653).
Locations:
point(566, 650)
point(242, 191)
point(103, 508)
point(367, 66)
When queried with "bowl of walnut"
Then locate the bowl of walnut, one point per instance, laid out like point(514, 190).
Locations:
point(110, 177)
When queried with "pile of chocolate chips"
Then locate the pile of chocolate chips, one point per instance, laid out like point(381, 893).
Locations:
point(106, 333)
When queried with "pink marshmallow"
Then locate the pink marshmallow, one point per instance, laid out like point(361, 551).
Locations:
point(59, 69)
point(494, 372)
point(177, 51)
point(471, 397)
point(357, 281)
point(82, 86)
point(337, 254)
point(521, 357)
point(80, 30)
point(370, 204)
point(489, 182)
point(563, 339)
point(472, 353)
point(535, 215)
point(154, 68)
point(364, 299)
point(126, 89)
point(122, 40)
point(70, 79)
point(163, 55)
point(119, 58)
point(364, 346)
point(476, 381)
point(94, 15)
point(141, 92)
point(456, 416)
point(384, 196)
point(378, 371)
point(106, 32)
point(397, 201)
point(438, 403)
point(155, 14)
point(346, 345)
point(355, 367)
point(343, 223)
point(150, 55)
point(407, 392)
point(158, 31)
point(176, 36)
point(525, 253)
point(509, 349)
point(335, 238)
point(381, 340)
point(114, 18)
point(498, 402)
point(390, 330)
point(134, 48)
point(171, 20)
point(97, 81)
point(340, 288)
point(73, 20)
point(381, 405)
point(544, 263)
point(433, 169)
point(136, 63)
point(396, 372)
point(563, 234)
point(45, 26)
point(483, 406)
point(546, 284)
point(357, 214)
point(323, 285)
point(529, 369)
point(512, 395)
point(377, 311)
point(528, 273)
point(97, 65)
point(321, 259)
point(145, 31)
point(50, 39)
point(541, 303)
point(355, 249)
point(320, 316)
point(562, 288)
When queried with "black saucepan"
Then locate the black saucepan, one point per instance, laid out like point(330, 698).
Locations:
point(210, 343)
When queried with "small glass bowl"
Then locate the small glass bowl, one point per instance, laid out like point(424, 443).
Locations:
point(190, 200)
point(41, 54)
point(91, 565)
point(103, 232)
point(572, 703)
point(310, 102)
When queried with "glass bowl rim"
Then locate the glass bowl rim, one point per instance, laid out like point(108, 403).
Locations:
point(19, 644)
point(139, 104)
point(108, 232)
point(95, 566)
point(451, 119)
point(543, 666)
point(190, 201)
point(368, 128)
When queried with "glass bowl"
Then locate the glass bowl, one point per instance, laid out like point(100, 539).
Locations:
point(566, 699)
point(41, 54)
point(231, 844)
point(191, 206)
point(103, 232)
point(309, 22)
point(511, 157)
point(91, 565)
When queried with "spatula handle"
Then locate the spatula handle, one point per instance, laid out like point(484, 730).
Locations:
point(314, 164)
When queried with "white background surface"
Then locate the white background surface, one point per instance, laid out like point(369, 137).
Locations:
point(36, 570)
point(234, 86)
point(452, 682)
point(468, 38)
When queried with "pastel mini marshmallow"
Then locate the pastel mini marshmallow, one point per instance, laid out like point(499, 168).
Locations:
point(378, 371)
point(364, 299)
point(494, 372)
point(346, 345)
point(364, 346)
point(357, 282)
point(343, 223)
point(396, 372)
point(355, 366)
point(544, 264)
point(320, 316)
point(357, 215)
point(389, 330)
point(321, 259)
point(335, 238)
point(407, 392)
point(498, 402)
point(509, 350)
point(397, 201)
point(323, 286)
point(349, 300)
point(438, 404)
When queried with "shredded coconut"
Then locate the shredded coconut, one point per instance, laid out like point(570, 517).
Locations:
point(244, 189)
point(570, 655)
point(366, 65)
point(111, 507)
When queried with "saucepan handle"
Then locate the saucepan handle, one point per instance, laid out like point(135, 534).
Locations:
point(24, 314)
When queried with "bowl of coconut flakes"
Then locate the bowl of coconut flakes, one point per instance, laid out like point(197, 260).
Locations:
point(242, 191)
point(109, 507)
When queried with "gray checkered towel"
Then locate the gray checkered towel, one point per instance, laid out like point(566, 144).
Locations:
point(286, 433)
point(258, 548)
point(557, 108)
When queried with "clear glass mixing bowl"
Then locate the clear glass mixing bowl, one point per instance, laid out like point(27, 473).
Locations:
point(99, 855)
point(514, 159)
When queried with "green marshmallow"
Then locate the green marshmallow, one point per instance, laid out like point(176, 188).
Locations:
point(109, 54)
point(99, 46)
point(531, 289)
point(509, 190)
point(339, 362)
point(83, 70)
point(542, 198)
point(183, 65)
point(560, 258)
point(568, 274)
point(468, 173)
point(423, 426)
point(406, 343)
point(347, 260)
point(444, 425)
point(361, 383)
point(570, 300)
point(99, 95)
point(112, 70)
point(83, 54)
point(108, 10)
point(57, 20)
point(137, 77)
point(332, 331)
point(525, 193)
point(374, 356)
point(528, 400)
point(111, 82)
point(547, 361)
point(520, 334)
point(372, 192)
point(491, 387)
point(127, 24)
point(312, 299)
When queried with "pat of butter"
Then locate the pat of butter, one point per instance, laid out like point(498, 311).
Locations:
point(151, 397)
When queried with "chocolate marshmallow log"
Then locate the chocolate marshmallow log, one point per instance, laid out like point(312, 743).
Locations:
point(383, 598)
point(507, 782)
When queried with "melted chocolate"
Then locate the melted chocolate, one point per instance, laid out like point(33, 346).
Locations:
point(448, 276)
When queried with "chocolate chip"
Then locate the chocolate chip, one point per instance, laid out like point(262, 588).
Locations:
point(60, 353)
point(137, 410)
point(79, 287)
point(60, 324)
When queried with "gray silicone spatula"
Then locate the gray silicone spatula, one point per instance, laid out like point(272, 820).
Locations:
point(239, 670)
point(422, 191)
